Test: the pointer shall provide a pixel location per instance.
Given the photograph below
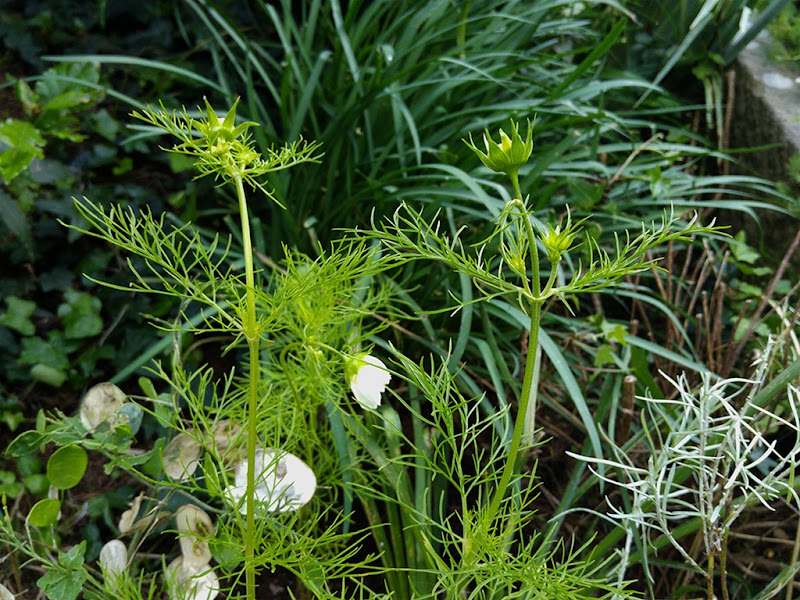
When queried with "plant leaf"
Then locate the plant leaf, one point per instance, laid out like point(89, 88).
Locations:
point(45, 512)
point(66, 467)
point(65, 583)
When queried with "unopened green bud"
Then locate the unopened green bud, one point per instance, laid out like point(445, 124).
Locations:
point(507, 156)
point(556, 242)
point(221, 131)
point(224, 149)
point(516, 263)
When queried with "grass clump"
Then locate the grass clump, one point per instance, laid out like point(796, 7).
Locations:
point(418, 360)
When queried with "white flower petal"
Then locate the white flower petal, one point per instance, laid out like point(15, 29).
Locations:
point(370, 381)
point(283, 481)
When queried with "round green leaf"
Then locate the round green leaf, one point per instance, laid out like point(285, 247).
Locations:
point(45, 512)
point(67, 466)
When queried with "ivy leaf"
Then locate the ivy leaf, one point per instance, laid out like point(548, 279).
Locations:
point(25, 444)
point(9, 484)
point(604, 356)
point(16, 222)
point(29, 98)
point(58, 86)
point(67, 100)
point(25, 143)
point(80, 314)
point(741, 251)
point(18, 315)
point(614, 332)
point(74, 558)
point(65, 583)
point(49, 375)
point(53, 352)
point(128, 462)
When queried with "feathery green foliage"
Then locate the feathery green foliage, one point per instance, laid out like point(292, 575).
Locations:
point(431, 494)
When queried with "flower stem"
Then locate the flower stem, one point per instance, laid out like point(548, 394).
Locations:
point(514, 175)
point(519, 422)
point(528, 390)
point(252, 335)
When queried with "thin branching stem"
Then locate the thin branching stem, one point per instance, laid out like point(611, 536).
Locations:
point(528, 383)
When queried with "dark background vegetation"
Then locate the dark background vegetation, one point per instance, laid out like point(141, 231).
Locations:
point(394, 134)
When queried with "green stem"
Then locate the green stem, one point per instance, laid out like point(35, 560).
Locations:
point(551, 280)
point(252, 335)
point(514, 175)
point(528, 391)
point(710, 578)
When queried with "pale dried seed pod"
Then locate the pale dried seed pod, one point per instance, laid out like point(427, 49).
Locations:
point(177, 575)
point(5, 594)
point(100, 404)
point(283, 481)
point(114, 559)
point(181, 457)
point(195, 527)
point(130, 521)
point(187, 582)
point(128, 518)
point(204, 587)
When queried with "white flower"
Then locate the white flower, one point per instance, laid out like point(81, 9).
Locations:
point(283, 481)
point(368, 379)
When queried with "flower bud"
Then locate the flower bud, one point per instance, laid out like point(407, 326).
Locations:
point(507, 156)
point(556, 242)
point(516, 262)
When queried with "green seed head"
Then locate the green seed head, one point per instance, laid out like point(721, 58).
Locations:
point(557, 241)
point(509, 154)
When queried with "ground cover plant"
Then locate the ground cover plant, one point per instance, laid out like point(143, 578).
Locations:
point(466, 553)
point(280, 463)
point(59, 133)
point(784, 30)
